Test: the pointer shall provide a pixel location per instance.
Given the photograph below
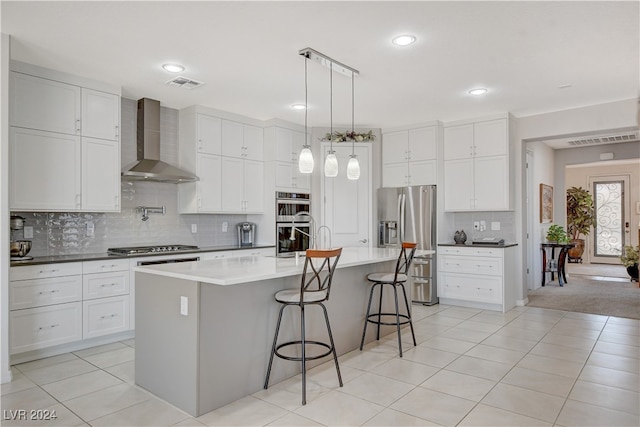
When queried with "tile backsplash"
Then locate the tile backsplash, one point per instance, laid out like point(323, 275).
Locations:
point(65, 233)
point(464, 221)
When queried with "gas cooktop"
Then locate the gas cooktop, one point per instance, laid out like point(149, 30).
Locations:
point(160, 249)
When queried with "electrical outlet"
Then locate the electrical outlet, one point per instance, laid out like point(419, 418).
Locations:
point(495, 225)
point(483, 225)
point(28, 232)
point(90, 229)
point(225, 226)
point(184, 306)
point(194, 228)
point(476, 225)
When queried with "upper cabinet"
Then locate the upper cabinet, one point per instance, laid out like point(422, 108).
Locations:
point(410, 157)
point(227, 157)
point(287, 144)
point(67, 135)
point(477, 166)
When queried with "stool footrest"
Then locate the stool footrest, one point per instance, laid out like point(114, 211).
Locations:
point(394, 323)
point(307, 357)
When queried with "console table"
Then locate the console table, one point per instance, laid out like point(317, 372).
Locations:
point(555, 265)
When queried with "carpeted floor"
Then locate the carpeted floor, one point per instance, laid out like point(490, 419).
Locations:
point(609, 296)
point(605, 270)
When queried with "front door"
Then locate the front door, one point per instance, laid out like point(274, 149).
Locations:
point(347, 204)
point(612, 215)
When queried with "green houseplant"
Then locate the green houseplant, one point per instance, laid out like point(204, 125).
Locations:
point(581, 217)
point(629, 259)
point(556, 234)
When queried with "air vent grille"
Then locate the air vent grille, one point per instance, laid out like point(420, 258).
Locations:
point(184, 82)
point(627, 137)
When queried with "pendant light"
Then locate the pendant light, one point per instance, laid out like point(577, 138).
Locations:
point(305, 159)
point(353, 167)
point(331, 162)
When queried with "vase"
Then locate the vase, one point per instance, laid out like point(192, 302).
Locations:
point(632, 270)
point(575, 253)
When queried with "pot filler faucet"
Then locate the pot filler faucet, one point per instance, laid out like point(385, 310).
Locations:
point(313, 235)
point(146, 210)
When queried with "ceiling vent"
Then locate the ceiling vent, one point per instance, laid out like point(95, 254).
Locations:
point(590, 139)
point(608, 139)
point(184, 82)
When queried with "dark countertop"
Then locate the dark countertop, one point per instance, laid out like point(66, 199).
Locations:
point(99, 256)
point(481, 245)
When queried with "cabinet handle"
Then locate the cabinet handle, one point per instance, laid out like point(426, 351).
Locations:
point(51, 292)
point(55, 325)
point(48, 271)
point(199, 144)
point(104, 285)
point(107, 266)
point(117, 134)
point(116, 200)
point(108, 316)
point(77, 125)
point(199, 202)
point(78, 198)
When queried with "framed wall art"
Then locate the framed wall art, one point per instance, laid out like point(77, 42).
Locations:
point(546, 203)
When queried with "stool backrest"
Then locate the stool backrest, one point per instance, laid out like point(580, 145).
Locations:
point(317, 274)
point(405, 259)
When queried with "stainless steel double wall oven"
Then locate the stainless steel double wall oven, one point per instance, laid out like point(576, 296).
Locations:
point(293, 222)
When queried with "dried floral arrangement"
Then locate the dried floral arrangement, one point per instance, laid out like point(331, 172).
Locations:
point(350, 136)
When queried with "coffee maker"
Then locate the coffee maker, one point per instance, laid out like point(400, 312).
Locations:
point(246, 233)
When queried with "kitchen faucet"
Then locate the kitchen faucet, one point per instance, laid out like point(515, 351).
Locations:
point(146, 210)
point(313, 235)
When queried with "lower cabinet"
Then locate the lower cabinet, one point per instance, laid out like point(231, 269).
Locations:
point(104, 316)
point(477, 276)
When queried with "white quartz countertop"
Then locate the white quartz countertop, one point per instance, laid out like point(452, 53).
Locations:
point(233, 271)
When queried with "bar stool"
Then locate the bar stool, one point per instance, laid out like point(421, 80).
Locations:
point(315, 286)
point(395, 280)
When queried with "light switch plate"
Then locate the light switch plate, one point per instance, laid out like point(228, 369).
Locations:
point(495, 225)
point(194, 228)
point(90, 229)
point(28, 232)
point(225, 226)
point(184, 306)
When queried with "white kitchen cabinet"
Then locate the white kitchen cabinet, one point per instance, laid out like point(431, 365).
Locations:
point(477, 166)
point(40, 292)
point(45, 171)
point(477, 277)
point(204, 195)
point(242, 141)
point(100, 115)
point(43, 104)
point(288, 144)
point(409, 157)
point(100, 175)
point(105, 279)
point(243, 188)
point(105, 316)
point(209, 134)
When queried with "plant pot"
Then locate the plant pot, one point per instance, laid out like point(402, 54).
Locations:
point(575, 253)
point(633, 272)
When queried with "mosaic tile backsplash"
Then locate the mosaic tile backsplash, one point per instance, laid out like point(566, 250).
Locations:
point(57, 233)
point(464, 221)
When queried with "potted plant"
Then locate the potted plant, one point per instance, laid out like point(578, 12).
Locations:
point(629, 259)
point(581, 217)
point(556, 234)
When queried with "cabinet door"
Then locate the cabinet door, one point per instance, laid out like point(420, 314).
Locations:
point(41, 292)
point(458, 185)
point(44, 170)
point(458, 142)
point(395, 146)
point(253, 138)
point(42, 104)
point(491, 183)
point(422, 173)
point(100, 175)
point(100, 115)
point(209, 187)
point(232, 139)
point(395, 175)
point(209, 134)
point(422, 144)
point(490, 138)
point(284, 175)
point(253, 186)
point(41, 327)
point(232, 190)
point(284, 145)
point(301, 181)
point(298, 143)
point(104, 316)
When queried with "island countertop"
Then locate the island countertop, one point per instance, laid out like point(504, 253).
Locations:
point(246, 269)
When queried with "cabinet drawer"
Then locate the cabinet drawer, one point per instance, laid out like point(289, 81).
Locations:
point(471, 288)
point(105, 316)
point(41, 292)
point(45, 270)
point(104, 266)
point(471, 264)
point(105, 284)
point(41, 327)
point(471, 251)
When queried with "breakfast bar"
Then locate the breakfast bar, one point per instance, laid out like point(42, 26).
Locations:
point(204, 329)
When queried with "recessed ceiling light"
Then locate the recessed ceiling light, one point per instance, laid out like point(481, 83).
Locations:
point(404, 40)
point(173, 68)
point(298, 106)
point(478, 91)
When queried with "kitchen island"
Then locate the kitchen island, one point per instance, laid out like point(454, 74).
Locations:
point(204, 329)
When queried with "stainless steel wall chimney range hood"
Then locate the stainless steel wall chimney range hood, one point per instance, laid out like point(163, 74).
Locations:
point(149, 167)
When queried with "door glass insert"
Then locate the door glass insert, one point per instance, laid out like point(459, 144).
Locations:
point(609, 232)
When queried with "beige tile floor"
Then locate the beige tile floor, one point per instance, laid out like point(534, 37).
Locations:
point(527, 367)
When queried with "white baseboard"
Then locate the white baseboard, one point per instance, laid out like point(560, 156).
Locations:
point(6, 377)
point(522, 302)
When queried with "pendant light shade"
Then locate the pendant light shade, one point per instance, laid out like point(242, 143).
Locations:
point(331, 165)
point(305, 160)
point(353, 168)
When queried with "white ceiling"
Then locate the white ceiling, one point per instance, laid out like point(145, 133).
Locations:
point(247, 54)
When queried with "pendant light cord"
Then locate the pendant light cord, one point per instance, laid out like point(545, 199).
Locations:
point(353, 97)
point(331, 106)
point(306, 104)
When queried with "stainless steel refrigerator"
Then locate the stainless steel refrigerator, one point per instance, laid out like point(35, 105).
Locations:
point(408, 214)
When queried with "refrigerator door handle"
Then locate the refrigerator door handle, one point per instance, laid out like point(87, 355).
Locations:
point(402, 215)
point(399, 217)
